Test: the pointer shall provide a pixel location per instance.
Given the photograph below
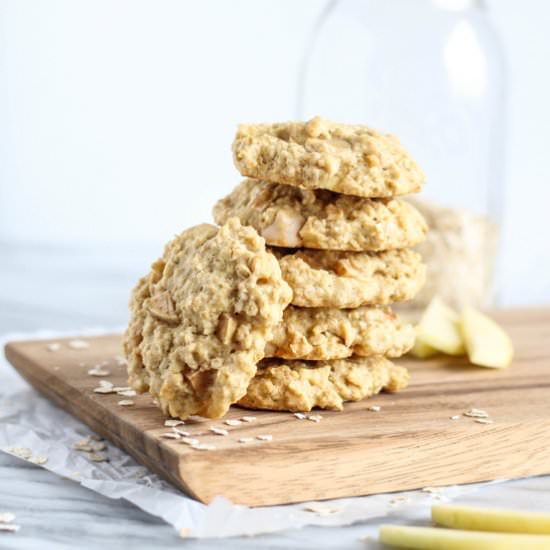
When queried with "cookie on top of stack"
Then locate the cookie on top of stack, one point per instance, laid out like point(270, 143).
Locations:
point(304, 322)
point(322, 195)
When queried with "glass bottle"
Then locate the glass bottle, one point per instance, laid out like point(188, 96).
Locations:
point(433, 73)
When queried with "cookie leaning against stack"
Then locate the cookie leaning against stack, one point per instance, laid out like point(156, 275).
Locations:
point(323, 194)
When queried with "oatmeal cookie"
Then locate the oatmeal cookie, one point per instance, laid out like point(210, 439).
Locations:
point(201, 318)
point(282, 385)
point(319, 154)
point(328, 333)
point(291, 217)
point(342, 279)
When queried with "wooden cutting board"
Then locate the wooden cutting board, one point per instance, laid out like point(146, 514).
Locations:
point(411, 442)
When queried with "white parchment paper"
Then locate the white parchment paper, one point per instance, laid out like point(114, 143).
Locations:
point(30, 422)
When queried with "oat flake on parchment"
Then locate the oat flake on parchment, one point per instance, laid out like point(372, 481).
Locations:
point(9, 527)
point(6, 517)
point(95, 457)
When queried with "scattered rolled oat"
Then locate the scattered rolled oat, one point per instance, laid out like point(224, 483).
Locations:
point(105, 384)
point(170, 435)
point(476, 413)
point(248, 419)
point(203, 447)
point(322, 510)
point(190, 441)
point(122, 388)
point(38, 459)
point(483, 421)
point(98, 371)
point(246, 439)
point(455, 417)
point(180, 432)
point(127, 393)
point(97, 446)
point(264, 437)
point(104, 390)
point(399, 500)
point(78, 344)
point(315, 417)
point(94, 457)
point(54, 346)
point(125, 403)
point(83, 446)
point(9, 527)
point(172, 422)
point(6, 517)
point(218, 431)
point(232, 422)
point(21, 452)
point(300, 416)
point(374, 408)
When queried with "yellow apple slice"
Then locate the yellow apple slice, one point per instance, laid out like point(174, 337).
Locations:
point(433, 538)
point(421, 350)
point(439, 328)
point(490, 519)
point(486, 342)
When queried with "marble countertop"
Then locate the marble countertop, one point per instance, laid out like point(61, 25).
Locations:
point(63, 289)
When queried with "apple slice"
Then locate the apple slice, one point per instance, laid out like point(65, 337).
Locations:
point(439, 328)
point(421, 350)
point(433, 538)
point(490, 519)
point(486, 342)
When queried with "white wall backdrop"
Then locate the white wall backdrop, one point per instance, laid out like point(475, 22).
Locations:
point(116, 118)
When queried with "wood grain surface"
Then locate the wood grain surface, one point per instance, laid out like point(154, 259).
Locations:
point(411, 443)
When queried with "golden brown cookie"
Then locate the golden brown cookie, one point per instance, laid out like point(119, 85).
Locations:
point(201, 318)
point(282, 385)
point(291, 217)
point(320, 154)
point(328, 333)
point(343, 279)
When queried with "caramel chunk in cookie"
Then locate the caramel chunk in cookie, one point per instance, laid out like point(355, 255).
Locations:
point(201, 318)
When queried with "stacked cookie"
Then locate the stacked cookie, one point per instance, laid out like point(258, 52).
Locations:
point(304, 322)
point(322, 195)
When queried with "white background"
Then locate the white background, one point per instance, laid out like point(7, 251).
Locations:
point(116, 118)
